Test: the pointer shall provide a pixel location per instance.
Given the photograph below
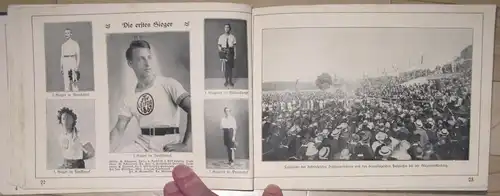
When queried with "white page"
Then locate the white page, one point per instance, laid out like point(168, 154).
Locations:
point(105, 79)
point(355, 43)
point(4, 121)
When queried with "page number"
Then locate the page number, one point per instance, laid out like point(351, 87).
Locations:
point(471, 179)
point(186, 24)
point(42, 182)
point(107, 26)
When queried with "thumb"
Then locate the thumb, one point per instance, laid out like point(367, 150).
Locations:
point(272, 190)
point(189, 183)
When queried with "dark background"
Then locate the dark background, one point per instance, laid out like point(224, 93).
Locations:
point(213, 29)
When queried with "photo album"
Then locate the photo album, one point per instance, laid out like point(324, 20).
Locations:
point(111, 97)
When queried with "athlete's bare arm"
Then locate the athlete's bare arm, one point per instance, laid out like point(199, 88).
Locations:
point(219, 46)
point(234, 49)
point(61, 60)
point(77, 55)
point(117, 132)
point(234, 46)
point(185, 104)
point(234, 130)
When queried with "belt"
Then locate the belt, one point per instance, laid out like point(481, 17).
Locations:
point(69, 55)
point(73, 160)
point(160, 131)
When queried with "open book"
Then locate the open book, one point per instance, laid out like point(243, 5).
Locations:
point(328, 97)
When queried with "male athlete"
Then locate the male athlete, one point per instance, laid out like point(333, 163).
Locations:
point(70, 62)
point(228, 126)
point(73, 151)
point(155, 103)
point(227, 54)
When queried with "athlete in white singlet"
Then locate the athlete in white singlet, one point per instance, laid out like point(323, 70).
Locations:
point(229, 126)
point(227, 54)
point(73, 151)
point(70, 61)
point(155, 103)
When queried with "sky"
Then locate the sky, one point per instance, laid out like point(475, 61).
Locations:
point(291, 54)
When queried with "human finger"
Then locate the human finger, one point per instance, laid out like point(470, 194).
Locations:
point(171, 189)
point(272, 190)
point(189, 183)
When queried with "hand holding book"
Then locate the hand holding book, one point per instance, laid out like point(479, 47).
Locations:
point(391, 96)
point(188, 183)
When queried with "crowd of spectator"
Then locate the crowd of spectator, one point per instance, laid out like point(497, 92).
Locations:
point(384, 118)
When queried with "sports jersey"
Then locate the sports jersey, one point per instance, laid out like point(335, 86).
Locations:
point(226, 40)
point(71, 146)
point(69, 54)
point(156, 106)
point(228, 122)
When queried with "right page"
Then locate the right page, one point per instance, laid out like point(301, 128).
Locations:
point(373, 97)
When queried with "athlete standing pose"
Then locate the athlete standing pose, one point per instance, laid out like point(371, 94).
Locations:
point(70, 62)
point(227, 54)
point(155, 103)
point(228, 126)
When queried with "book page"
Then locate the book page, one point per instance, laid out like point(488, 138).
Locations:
point(116, 95)
point(6, 151)
point(373, 97)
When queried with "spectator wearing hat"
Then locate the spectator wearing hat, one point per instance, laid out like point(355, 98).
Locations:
point(353, 142)
point(401, 151)
point(335, 142)
point(344, 154)
point(324, 153)
point(385, 153)
point(312, 151)
point(424, 138)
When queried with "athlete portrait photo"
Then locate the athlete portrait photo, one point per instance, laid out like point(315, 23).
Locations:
point(149, 92)
point(69, 57)
point(70, 134)
point(227, 133)
point(226, 54)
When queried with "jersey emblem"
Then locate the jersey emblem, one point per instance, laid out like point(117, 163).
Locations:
point(66, 143)
point(145, 104)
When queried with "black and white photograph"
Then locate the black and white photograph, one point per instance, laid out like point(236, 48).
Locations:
point(149, 92)
point(342, 94)
point(227, 133)
point(69, 58)
point(226, 54)
point(71, 134)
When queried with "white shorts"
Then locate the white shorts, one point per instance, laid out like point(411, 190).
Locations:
point(148, 143)
point(69, 63)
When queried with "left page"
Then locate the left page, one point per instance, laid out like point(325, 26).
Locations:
point(115, 95)
point(5, 183)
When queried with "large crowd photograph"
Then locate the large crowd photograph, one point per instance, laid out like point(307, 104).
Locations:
point(382, 94)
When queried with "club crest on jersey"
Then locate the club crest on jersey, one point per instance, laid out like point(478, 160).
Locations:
point(145, 104)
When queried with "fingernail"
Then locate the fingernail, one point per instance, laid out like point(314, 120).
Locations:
point(272, 190)
point(182, 172)
point(170, 189)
